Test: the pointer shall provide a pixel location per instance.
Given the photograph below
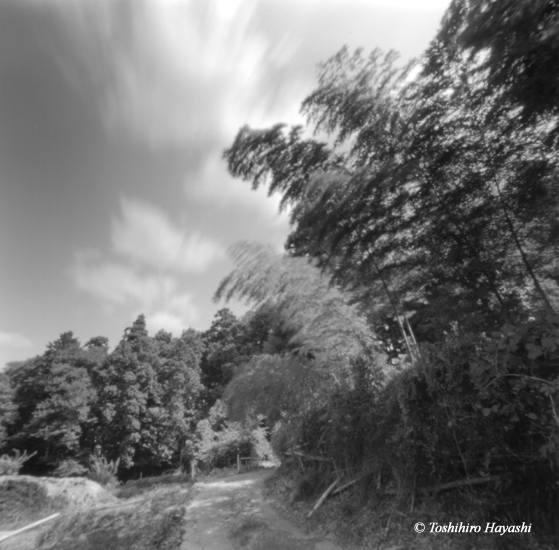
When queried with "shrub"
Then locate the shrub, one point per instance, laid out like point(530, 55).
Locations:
point(136, 487)
point(21, 501)
point(11, 465)
point(69, 468)
point(103, 471)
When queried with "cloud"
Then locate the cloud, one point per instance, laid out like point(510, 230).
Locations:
point(145, 266)
point(146, 235)
point(159, 296)
point(14, 340)
point(165, 320)
point(172, 72)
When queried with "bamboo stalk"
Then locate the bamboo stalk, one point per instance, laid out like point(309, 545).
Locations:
point(346, 486)
point(462, 483)
point(322, 498)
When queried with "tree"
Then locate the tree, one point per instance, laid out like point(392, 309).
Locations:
point(429, 215)
point(53, 398)
point(179, 379)
point(520, 47)
point(318, 316)
point(132, 393)
point(149, 396)
point(7, 408)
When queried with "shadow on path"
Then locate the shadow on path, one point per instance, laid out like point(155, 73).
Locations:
point(233, 513)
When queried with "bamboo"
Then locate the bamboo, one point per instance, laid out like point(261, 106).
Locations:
point(462, 483)
point(322, 498)
point(346, 486)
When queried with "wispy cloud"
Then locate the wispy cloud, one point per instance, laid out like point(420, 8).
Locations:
point(152, 61)
point(146, 235)
point(14, 347)
point(143, 269)
point(14, 340)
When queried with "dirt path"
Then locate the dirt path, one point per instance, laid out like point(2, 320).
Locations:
point(233, 513)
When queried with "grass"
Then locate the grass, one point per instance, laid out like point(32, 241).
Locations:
point(245, 530)
point(358, 518)
point(138, 487)
point(22, 502)
point(152, 522)
point(253, 533)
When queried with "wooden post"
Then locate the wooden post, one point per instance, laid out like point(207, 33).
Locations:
point(238, 464)
point(192, 469)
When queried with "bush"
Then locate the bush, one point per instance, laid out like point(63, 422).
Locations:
point(136, 487)
point(11, 465)
point(220, 449)
point(69, 468)
point(474, 406)
point(21, 501)
point(103, 471)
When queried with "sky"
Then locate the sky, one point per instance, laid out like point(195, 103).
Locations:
point(114, 114)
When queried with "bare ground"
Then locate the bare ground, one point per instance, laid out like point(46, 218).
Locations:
point(233, 512)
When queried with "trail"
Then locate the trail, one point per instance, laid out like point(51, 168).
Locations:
point(233, 513)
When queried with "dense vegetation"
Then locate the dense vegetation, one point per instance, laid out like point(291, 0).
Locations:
point(152, 404)
point(431, 210)
point(410, 332)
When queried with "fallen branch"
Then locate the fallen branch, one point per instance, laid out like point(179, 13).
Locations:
point(322, 498)
point(450, 485)
point(308, 457)
point(27, 527)
point(346, 486)
point(462, 483)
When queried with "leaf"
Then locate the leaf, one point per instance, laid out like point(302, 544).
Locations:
point(533, 351)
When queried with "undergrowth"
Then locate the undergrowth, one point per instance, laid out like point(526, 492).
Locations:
point(154, 524)
point(23, 502)
point(138, 487)
point(360, 517)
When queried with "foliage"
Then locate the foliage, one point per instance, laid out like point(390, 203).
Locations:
point(317, 316)
point(152, 523)
point(433, 214)
point(21, 502)
point(219, 449)
point(226, 347)
point(69, 468)
point(519, 40)
point(52, 397)
point(518, 385)
point(136, 403)
point(219, 440)
point(133, 488)
point(10, 465)
point(149, 389)
point(474, 407)
point(103, 471)
point(7, 408)
point(434, 207)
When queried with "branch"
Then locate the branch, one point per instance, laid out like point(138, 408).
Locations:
point(346, 486)
point(322, 498)
point(462, 483)
point(554, 410)
point(308, 457)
